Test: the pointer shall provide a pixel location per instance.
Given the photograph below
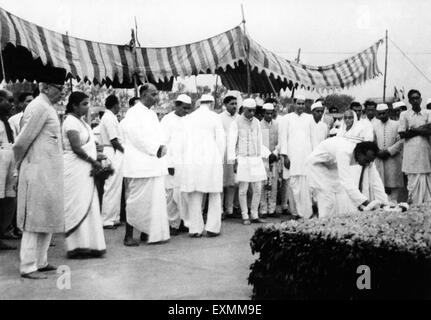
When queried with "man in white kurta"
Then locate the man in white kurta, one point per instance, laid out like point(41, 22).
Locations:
point(417, 150)
point(389, 159)
point(202, 153)
point(320, 128)
point(269, 128)
point(16, 120)
point(338, 191)
point(296, 144)
point(363, 127)
point(113, 150)
point(227, 117)
point(172, 125)
point(144, 169)
point(245, 150)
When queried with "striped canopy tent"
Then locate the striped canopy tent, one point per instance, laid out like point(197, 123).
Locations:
point(27, 48)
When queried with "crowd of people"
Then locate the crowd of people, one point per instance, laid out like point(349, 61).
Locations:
point(194, 168)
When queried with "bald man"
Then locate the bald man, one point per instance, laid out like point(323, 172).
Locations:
point(144, 170)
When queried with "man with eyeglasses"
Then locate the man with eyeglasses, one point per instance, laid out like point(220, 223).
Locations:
point(415, 128)
point(296, 130)
point(39, 157)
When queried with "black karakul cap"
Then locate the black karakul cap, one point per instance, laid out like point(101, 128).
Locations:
point(52, 75)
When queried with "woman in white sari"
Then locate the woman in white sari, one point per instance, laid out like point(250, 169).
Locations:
point(348, 127)
point(84, 230)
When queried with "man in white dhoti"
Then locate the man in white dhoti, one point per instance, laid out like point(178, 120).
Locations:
point(15, 121)
point(202, 167)
point(113, 150)
point(245, 150)
point(269, 127)
point(389, 158)
point(172, 125)
point(296, 144)
point(417, 151)
point(228, 195)
point(144, 169)
point(39, 157)
point(338, 191)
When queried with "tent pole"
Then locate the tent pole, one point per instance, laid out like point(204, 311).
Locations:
point(135, 82)
point(386, 68)
point(2, 65)
point(296, 60)
point(215, 92)
point(136, 57)
point(247, 50)
point(270, 83)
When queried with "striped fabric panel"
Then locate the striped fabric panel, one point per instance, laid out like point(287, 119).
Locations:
point(194, 58)
point(346, 73)
point(98, 61)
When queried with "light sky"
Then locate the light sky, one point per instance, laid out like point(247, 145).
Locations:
point(326, 31)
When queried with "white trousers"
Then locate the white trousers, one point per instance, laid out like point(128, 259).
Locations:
point(228, 197)
point(34, 251)
point(419, 187)
point(196, 224)
point(111, 204)
point(301, 195)
point(256, 189)
point(268, 200)
point(177, 207)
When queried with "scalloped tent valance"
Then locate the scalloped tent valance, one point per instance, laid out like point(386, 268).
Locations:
point(27, 48)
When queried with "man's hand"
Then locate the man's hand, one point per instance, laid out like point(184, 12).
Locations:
point(171, 171)
point(410, 134)
point(15, 183)
point(383, 154)
point(97, 165)
point(161, 152)
point(373, 205)
point(235, 166)
point(286, 162)
point(272, 158)
point(99, 147)
point(101, 156)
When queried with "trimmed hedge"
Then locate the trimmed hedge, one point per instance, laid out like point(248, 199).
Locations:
point(319, 258)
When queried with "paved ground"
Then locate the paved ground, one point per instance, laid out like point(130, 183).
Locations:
point(183, 268)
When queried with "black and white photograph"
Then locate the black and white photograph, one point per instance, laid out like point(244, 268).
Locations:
point(211, 150)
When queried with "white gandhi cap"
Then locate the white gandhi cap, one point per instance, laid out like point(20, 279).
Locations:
point(268, 106)
point(382, 107)
point(184, 99)
point(249, 103)
point(317, 104)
